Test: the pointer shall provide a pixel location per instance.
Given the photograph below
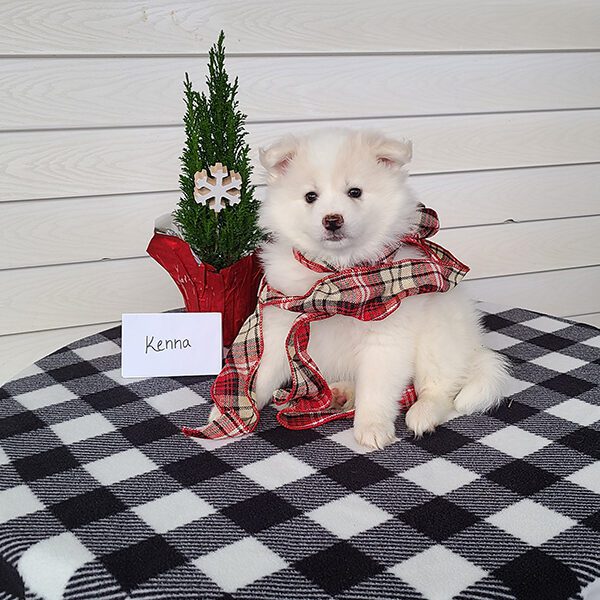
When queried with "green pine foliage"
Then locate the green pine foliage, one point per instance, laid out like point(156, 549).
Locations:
point(214, 129)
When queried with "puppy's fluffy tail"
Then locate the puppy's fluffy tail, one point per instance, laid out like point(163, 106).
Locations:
point(486, 386)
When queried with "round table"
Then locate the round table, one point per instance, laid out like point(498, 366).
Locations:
point(102, 496)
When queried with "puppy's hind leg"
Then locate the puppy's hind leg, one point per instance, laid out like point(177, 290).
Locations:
point(437, 381)
point(486, 384)
point(342, 395)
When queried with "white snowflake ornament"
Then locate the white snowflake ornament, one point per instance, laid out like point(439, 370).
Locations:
point(214, 191)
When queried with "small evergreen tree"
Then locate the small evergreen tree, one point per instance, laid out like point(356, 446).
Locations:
point(214, 129)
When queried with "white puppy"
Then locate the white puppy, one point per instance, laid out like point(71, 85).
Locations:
point(341, 196)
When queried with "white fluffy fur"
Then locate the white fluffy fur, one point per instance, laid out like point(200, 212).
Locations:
point(434, 339)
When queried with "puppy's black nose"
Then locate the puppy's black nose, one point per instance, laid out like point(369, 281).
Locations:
point(333, 222)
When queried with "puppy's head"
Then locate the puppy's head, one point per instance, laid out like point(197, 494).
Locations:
point(338, 194)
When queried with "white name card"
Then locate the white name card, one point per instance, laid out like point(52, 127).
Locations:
point(170, 344)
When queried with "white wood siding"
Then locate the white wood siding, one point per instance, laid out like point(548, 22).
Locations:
point(71, 27)
point(501, 99)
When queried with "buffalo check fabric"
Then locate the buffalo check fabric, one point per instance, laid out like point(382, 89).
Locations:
point(101, 496)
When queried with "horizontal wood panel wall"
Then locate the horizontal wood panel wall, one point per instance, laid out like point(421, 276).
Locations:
point(125, 92)
point(69, 27)
point(65, 163)
point(501, 100)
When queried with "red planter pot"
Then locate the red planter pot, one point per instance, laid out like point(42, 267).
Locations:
point(232, 291)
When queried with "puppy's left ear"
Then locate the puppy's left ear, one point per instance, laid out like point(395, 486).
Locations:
point(277, 158)
point(394, 154)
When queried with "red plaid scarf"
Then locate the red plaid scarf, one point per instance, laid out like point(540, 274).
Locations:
point(367, 293)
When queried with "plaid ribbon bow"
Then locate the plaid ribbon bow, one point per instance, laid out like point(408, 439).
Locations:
point(367, 293)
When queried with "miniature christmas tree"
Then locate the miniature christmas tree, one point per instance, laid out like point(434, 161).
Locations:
point(209, 255)
point(217, 216)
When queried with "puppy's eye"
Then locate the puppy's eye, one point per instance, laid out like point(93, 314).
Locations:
point(355, 192)
point(310, 197)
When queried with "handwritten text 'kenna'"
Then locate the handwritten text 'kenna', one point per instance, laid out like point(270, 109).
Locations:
point(153, 345)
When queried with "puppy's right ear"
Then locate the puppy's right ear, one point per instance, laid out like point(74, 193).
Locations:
point(277, 158)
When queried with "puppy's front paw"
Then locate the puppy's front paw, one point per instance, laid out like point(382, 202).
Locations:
point(375, 435)
point(342, 395)
point(422, 417)
point(214, 414)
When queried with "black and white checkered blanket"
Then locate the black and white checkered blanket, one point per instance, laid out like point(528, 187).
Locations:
point(101, 496)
